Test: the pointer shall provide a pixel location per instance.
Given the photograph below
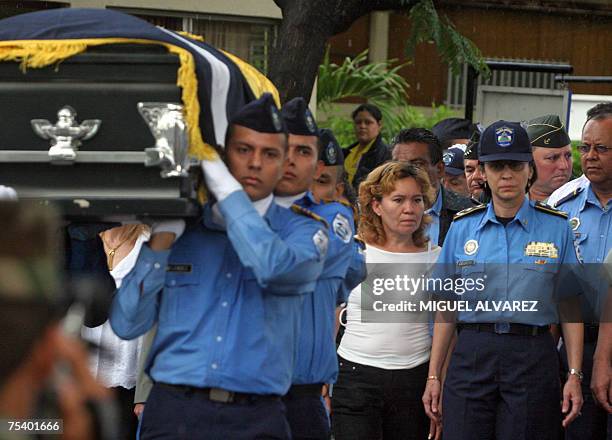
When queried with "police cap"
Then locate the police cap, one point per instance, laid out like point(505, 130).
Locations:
point(547, 131)
point(503, 140)
point(453, 160)
point(260, 115)
point(330, 151)
point(298, 118)
point(453, 128)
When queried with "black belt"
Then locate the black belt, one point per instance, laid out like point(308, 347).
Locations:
point(308, 390)
point(502, 328)
point(591, 332)
point(219, 395)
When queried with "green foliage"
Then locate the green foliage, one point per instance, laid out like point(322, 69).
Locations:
point(404, 117)
point(378, 83)
point(454, 48)
point(577, 168)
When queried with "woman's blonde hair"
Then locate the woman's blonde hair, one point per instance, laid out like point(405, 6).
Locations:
point(381, 182)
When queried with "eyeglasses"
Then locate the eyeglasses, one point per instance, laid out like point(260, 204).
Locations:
point(601, 149)
point(499, 165)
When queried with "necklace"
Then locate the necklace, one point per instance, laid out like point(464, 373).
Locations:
point(110, 255)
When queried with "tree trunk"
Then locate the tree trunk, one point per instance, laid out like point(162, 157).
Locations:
point(303, 34)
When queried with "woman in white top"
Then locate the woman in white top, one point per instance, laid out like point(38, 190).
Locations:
point(114, 363)
point(384, 360)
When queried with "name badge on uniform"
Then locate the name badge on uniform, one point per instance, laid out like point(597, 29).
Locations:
point(184, 268)
point(470, 247)
point(541, 249)
point(464, 263)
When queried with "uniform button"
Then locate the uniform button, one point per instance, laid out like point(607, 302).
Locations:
point(219, 338)
point(214, 366)
point(224, 304)
point(157, 265)
point(173, 282)
point(228, 275)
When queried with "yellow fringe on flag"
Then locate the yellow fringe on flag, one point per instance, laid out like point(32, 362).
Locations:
point(42, 53)
point(190, 35)
point(257, 81)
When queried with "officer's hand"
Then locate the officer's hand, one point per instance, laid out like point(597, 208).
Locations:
point(435, 430)
point(571, 394)
point(601, 385)
point(218, 179)
point(164, 233)
point(138, 409)
point(431, 400)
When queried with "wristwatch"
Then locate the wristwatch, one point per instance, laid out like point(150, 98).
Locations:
point(579, 374)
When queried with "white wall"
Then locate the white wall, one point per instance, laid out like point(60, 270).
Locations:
point(578, 110)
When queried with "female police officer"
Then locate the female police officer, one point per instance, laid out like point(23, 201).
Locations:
point(502, 380)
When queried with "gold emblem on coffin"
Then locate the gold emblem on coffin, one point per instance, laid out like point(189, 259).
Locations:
point(541, 249)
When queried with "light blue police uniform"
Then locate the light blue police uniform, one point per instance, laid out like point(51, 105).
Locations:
point(228, 303)
point(592, 227)
point(502, 380)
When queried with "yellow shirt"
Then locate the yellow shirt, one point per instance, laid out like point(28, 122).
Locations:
point(351, 162)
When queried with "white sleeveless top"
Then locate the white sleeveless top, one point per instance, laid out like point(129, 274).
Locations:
point(116, 365)
point(391, 346)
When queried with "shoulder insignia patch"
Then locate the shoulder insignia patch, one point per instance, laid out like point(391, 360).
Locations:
point(342, 228)
point(469, 211)
point(568, 197)
point(303, 211)
point(545, 208)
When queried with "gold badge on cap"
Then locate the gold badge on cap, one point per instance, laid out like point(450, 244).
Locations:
point(574, 223)
point(470, 247)
point(541, 249)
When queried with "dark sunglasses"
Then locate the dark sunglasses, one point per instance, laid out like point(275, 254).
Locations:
point(499, 165)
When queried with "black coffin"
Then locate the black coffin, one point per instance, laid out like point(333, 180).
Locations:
point(108, 176)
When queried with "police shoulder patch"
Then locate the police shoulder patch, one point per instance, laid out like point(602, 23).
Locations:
point(545, 208)
point(303, 211)
point(469, 211)
point(342, 228)
point(568, 197)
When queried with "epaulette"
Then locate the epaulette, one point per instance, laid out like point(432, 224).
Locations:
point(342, 202)
point(469, 211)
point(545, 208)
point(570, 196)
point(359, 241)
point(299, 210)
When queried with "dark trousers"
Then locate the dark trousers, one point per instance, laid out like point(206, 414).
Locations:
point(502, 387)
point(592, 423)
point(127, 418)
point(307, 417)
point(373, 403)
point(174, 414)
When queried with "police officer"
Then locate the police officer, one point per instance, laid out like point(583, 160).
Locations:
point(329, 184)
point(316, 362)
point(473, 173)
point(454, 173)
point(502, 380)
point(552, 154)
point(588, 208)
point(227, 296)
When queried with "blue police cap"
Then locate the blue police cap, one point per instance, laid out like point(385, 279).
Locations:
point(453, 160)
point(298, 118)
point(330, 151)
point(260, 115)
point(503, 140)
point(453, 128)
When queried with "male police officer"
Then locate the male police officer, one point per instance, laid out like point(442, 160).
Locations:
point(329, 184)
point(316, 362)
point(454, 173)
point(473, 173)
point(589, 211)
point(552, 153)
point(502, 380)
point(227, 297)
point(421, 148)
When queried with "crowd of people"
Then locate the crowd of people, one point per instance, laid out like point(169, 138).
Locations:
point(258, 319)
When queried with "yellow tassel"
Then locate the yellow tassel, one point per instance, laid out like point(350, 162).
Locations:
point(257, 81)
point(192, 36)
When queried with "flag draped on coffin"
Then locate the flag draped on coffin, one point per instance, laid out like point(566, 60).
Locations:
point(214, 84)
